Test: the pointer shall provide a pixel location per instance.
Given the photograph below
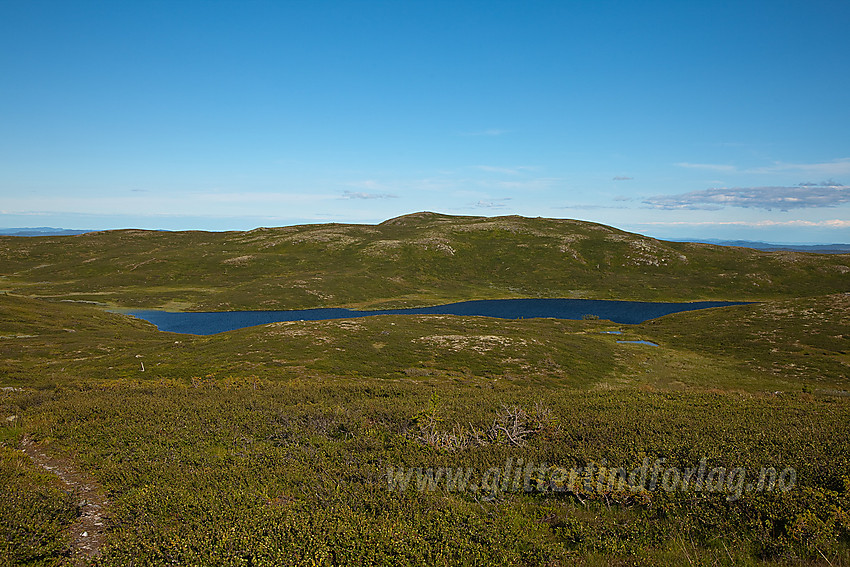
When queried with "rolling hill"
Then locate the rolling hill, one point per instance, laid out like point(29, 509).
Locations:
point(414, 260)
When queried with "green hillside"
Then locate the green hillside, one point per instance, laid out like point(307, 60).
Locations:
point(414, 260)
point(271, 444)
point(775, 345)
point(281, 444)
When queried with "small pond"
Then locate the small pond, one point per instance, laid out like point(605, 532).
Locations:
point(625, 312)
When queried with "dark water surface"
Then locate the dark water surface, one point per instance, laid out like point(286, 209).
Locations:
point(627, 312)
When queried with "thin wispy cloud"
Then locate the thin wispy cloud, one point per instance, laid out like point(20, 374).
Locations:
point(622, 178)
point(830, 223)
point(538, 183)
point(491, 203)
point(508, 170)
point(829, 183)
point(254, 197)
point(782, 198)
point(189, 204)
point(487, 132)
point(176, 201)
point(834, 168)
point(368, 185)
point(589, 207)
point(709, 166)
point(364, 195)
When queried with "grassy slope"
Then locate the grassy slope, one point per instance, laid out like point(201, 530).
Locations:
point(270, 445)
point(791, 340)
point(44, 343)
point(417, 259)
point(36, 512)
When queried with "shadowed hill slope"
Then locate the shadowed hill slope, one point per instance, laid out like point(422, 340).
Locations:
point(413, 260)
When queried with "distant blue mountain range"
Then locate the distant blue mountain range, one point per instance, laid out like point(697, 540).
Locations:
point(41, 231)
point(769, 247)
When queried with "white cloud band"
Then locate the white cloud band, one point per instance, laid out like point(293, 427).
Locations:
point(782, 198)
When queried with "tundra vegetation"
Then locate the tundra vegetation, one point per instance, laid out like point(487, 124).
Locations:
point(281, 444)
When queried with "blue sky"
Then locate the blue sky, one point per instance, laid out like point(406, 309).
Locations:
point(674, 119)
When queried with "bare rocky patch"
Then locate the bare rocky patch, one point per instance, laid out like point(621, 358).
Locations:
point(383, 248)
point(238, 260)
point(647, 251)
point(477, 343)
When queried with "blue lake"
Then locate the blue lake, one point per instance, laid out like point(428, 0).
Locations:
point(626, 312)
